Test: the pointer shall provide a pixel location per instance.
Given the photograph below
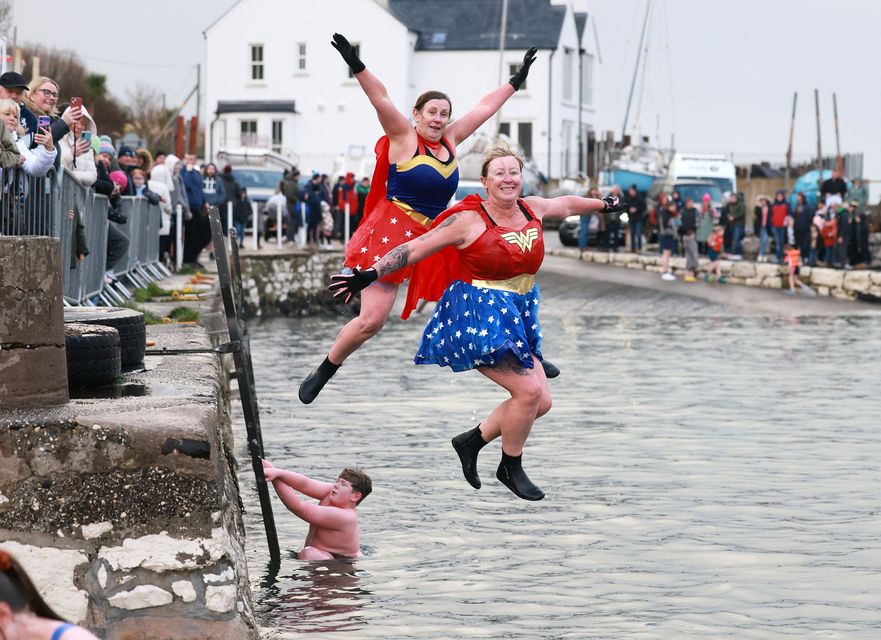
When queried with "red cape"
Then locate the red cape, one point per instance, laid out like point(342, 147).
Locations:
point(438, 271)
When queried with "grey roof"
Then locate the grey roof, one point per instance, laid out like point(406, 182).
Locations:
point(474, 24)
point(256, 106)
point(580, 22)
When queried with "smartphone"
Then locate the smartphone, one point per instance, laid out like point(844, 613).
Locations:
point(87, 136)
point(43, 122)
point(76, 102)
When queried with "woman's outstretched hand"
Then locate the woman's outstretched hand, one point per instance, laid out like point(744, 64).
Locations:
point(347, 51)
point(348, 284)
point(520, 77)
point(614, 205)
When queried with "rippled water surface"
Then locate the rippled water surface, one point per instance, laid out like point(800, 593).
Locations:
point(707, 476)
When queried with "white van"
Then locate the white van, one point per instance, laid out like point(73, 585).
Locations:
point(704, 166)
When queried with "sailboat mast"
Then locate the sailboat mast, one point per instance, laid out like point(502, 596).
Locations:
point(502, 33)
point(789, 148)
point(645, 22)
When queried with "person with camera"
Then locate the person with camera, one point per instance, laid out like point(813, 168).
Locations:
point(42, 100)
point(416, 174)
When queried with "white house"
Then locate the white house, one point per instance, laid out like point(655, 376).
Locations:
point(274, 81)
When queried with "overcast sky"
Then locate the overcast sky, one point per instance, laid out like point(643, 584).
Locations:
point(720, 73)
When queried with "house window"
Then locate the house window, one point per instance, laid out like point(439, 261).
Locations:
point(301, 56)
point(524, 137)
point(587, 80)
point(505, 129)
point(357, 48)
point(567, 73)
point(277, 131)
point(256, 62)
point(514, 68)
point(249, 133)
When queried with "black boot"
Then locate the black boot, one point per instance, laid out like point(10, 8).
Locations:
point(468, 445)
point(512, 475)
point(315, 381)
point(551, 370)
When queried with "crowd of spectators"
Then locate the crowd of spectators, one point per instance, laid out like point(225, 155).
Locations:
point(834, 232)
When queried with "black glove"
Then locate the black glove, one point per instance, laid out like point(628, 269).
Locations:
point(518, 78)
point(613, 205)
point(348, 284)
point(347, 51)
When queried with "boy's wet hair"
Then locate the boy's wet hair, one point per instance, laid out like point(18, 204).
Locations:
point(359, 480)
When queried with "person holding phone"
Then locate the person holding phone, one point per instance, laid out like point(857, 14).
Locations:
point(77, 155)
point(42, 99)
point(37, 161)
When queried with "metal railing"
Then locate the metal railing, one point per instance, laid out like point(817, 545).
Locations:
point(56, 205)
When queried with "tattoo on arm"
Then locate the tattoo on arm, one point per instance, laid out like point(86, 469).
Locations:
point(445, 223)
point(393, 260)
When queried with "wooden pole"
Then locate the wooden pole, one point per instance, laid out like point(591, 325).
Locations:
point(819, 147)
point(839, 161)
point(789, 148)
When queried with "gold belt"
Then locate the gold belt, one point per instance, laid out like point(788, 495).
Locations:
point(425, 221)
point(518, 284)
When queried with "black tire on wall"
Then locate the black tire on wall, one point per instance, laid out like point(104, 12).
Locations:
point(128, 322)
point(93, 357)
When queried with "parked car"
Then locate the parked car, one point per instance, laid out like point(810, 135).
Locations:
point(694, 189)
point(465, 189)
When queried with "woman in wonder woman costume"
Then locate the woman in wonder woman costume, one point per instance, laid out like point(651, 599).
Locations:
point(419, 166)
point(487, 316)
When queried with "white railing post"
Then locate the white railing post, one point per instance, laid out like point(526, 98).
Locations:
point(255, 223)
point(179, 238)
point(346, 224)
point(229, 221)
point(278, 223)
point(301, 232)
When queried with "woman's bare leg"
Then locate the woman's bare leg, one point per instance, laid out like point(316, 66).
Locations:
point(469, 443)
point(377, 301)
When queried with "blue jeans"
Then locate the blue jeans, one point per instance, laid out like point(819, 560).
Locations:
point(763, 241)
point(240, 232)
point(779, 239)
point(738, 236)
point(583, 232)
point(636, 235)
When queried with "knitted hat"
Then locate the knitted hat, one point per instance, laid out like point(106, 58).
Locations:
point(119, 179)
point(106, 147)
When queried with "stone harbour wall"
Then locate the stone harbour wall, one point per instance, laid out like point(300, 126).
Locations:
point(826, 282)
point(289, 283)
point(125, 509)
point(33, 367)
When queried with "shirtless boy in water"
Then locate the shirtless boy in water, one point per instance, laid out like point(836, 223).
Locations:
point(333, 523)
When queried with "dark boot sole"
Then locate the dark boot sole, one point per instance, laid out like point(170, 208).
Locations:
point(503, 478)
point(551, 370)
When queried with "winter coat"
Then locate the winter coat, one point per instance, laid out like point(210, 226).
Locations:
point(213, 189)
point(737, 212)
point(37, 161)
point(84, 172)
point(192, 181)
point(241, 213)
point(9, 155)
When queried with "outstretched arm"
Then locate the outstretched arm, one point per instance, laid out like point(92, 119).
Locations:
point(463, 127)
point(393, 122)
point(325, 517)
point(563, 206)
point(303, 484)
point(456, 230)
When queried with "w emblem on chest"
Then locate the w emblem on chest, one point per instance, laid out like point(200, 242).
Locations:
point(522, 239)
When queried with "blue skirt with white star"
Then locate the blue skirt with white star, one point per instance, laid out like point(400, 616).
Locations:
point(474, 327)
